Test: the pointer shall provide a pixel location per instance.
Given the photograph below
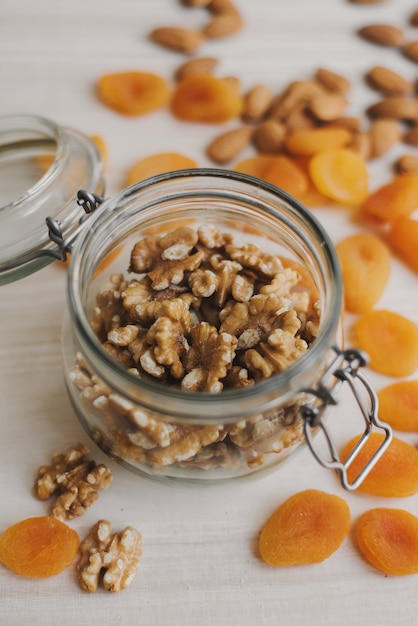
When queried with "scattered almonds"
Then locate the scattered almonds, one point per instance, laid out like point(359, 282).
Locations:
point(227, 146)
point(382, 34)
point(410, 50)
point(178, 39)
point(388, 82)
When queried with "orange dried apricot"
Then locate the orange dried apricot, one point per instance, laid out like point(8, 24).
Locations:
point(395, 473)
point(398, 405)
point(391, 340)
point(38, 547)
point(133, 93)
point(403, 238)
point(397, 198)
point(158, 164)
point(278, 170)
point(340, 174)
point(311, 197)
point(206, 98)
point(365, 264)
point(309, 141)
point(388, 539)
point(307, 528)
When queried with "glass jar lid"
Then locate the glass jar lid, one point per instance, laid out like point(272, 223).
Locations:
point(42, 167)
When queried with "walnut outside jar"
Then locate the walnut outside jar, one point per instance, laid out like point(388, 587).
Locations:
point(127, 390)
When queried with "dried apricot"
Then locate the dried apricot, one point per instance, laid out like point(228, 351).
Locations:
point(340, 174)
point(365, 264)
point(397, 198)
point(38, 547)
point(158, 164)
point(395, 473)
point(388, 539)
point(278, 170)
point(403, 237)
point(398, 405)
point(206, 98)
point(391, 340)
point(133, 93)
point(309, 141)
point(311, 197)
point(307, 528)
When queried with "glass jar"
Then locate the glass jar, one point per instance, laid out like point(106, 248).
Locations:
point(164, 431)
point(155, 429)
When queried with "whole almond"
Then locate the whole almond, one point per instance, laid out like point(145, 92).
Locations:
point(223, 25)
point(199, 65)
point(411, 136)
point(299, 119)
point(413, 18)
point(382, 34)
point(361, 143)
point(332, 81)
point(395, 107)
point(227, 146)
point(269, 136)
point(223, 7)
point(407, 164)
point(388, 82)
point(257, 102)
point(197, 3)
point(178, 39)
point(299, 92)
point(327, 107)
point(384, 134)
point(410, 50)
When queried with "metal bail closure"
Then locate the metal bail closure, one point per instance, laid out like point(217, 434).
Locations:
point(89, 202)
point(345, 368)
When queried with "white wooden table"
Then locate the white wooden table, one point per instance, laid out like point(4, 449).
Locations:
point(200, 562)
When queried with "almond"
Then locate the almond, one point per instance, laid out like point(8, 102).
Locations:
point(411, 137)
point(388, 82)
point(413, 18)
point(395, 107)
point(410, 50)
point(223, 25)
point(299, 92)
point(223, 7)
point(384, 134)
point(367, 1)
point(382, 34)
point(197, 3)
point(269, 136)
point(361, 144)
point(257, 102)
point(178, 39)
point(407, 164)
point(327, 107)
point(199, 65)
point(227, 146)
point(332, 81)
point(299, 119)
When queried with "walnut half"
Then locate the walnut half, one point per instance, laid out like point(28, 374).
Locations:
point(74, 479)
point(112, 557)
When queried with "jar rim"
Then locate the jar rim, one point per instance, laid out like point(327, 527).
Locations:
point(202, 404)
point(73, 162)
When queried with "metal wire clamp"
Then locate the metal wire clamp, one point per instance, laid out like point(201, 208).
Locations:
point(89, 202)
point(345, 368)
